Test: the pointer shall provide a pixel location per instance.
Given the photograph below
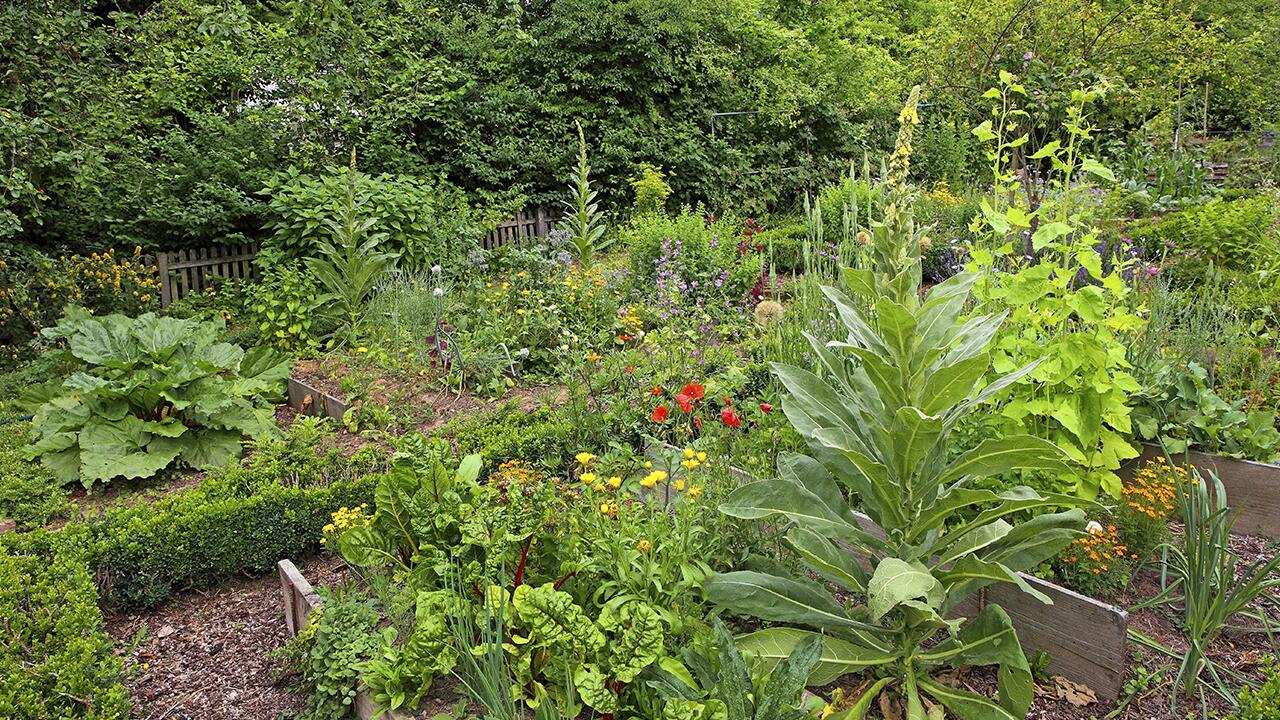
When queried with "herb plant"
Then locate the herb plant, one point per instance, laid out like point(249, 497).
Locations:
point(877, 421)
point(150, 392)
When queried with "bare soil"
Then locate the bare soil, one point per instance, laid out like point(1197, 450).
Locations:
point(428, 405)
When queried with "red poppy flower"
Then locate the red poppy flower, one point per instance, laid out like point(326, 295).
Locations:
point(694, 390)
point(697, 422)
point(659, 414)
point(655, 390)
point(686, 403)
point(766, 408)
point(730, 418)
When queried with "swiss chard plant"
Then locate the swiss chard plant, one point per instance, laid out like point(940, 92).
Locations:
point(876, 416)
point(150, 392)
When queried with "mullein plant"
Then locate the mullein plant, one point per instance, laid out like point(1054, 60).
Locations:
point(583, 219)
point(876, 413)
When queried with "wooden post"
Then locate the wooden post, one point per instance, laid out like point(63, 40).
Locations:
point(162, 269)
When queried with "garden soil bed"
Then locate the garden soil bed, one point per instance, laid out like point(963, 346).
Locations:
point(207, 655)
point(429, 406)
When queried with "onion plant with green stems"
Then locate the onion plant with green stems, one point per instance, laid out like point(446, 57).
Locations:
point(877, 414)
point(1213, 589)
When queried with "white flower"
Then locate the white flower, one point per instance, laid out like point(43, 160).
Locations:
point(435, 269)
point(1094, 527)
point(438, 292)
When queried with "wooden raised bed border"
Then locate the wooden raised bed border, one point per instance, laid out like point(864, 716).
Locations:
point(312, 401)
point(1253, 488)
point(1087, 640)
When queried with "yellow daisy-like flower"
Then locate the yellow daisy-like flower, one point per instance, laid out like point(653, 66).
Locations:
point(584, 457)
point(695, 492)
point(644, 546)
point(599, 487)
point(647, 464)
point(588, 478)
point(702, 457)
point(615, 482)
point(678, 485)
point(691, 464)
point(604, 508)
point(688, 453)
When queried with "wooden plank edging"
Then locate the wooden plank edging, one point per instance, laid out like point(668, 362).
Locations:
point(312, 401)
point(1087, 640)
point(1253, 488)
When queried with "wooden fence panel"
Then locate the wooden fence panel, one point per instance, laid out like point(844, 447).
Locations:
point(183, 272)
point(535, 222)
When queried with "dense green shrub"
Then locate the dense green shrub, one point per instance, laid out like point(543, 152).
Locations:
point(55, 659)
point(784, 246)
point(29, 495)
point(427, 223)
point(1242, 234)
point(508, 433)
point(1263, 703)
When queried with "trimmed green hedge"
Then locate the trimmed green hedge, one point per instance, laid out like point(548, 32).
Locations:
point(55, 658)
point(243, 519)
point(28, 493)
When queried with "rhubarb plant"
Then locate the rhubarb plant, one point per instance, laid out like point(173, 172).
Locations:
point(880, 508)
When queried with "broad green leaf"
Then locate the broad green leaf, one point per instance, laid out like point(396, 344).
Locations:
point(966, 705)
point(950, 384)
point(895, 582)
point(779, 599)
point(838, 657)
point(999, 455)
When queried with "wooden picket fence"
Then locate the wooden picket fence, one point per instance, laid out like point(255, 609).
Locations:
point(183, 272)
point(535, 222)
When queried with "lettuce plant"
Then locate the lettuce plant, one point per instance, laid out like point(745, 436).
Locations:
point(151, 391)
point(876, 417)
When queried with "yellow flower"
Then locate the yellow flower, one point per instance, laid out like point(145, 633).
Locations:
point(647, 464)
point(688, 453)
point(695, 492)
point(644, 546)
point(604, 508)
point(520, 311)
point(702, 457)
point(362, 349)
point(594, 357)
point(584, 457)
point(615, 482)
point(520, 274)
point(588, 478)
point(678, 485)
point(599, 487)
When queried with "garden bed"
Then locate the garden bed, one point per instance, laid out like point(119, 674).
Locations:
point(316, 388)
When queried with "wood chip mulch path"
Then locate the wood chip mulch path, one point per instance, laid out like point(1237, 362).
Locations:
point(207, 655)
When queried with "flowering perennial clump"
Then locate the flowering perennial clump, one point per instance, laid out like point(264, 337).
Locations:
point(1096, 563)
point(346, 518)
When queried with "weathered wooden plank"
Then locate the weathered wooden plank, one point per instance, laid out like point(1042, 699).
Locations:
point(312, 401)
point(1253, 488)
